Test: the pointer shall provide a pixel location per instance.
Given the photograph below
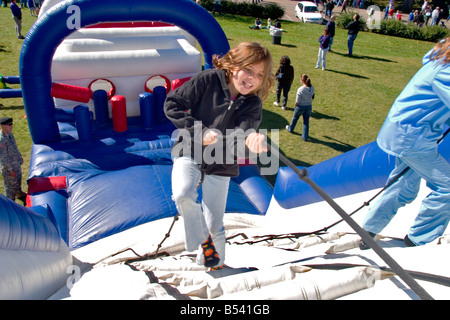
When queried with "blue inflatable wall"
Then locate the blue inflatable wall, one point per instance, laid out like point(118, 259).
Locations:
point(114, 188)
point(361, 169)
point(34, 260)
point(51, 28)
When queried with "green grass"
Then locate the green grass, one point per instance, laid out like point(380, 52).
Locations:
point(10, 48)
point(352, 97)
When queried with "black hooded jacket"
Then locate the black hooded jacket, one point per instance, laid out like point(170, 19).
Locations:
point(203, 103)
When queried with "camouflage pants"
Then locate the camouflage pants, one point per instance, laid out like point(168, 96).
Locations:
point(13, 185)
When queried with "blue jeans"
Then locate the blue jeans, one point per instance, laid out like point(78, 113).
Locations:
point(285, 87)
point(321, 58)
point(331, 42)
point(200, 220)
point(434, 213)
point(351, 39)
point(299, 111)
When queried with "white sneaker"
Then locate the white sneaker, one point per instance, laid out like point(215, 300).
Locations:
point(276, 104)
point(284, 108)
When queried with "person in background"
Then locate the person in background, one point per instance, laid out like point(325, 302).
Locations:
point(217, 7)
point(32, 7)
point(411, 16)
point(324, 43)
point(285, 77)
point(257, 25)
point(331, 26)
point(329, 8)
point(10, 161)
point(303, 106)
point(17, 16)
point(427, 15)
point(344, 6)
point(269, 24)
point(277, 24)
point(411, 132)
point(353, 29)
point(435, 16)
point(217, 111)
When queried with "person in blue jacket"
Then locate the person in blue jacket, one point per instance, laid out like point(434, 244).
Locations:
point(411, 131)
point(17, 16)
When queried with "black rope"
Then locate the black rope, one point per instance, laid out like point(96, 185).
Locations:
point(175, 219)
point(395, 267)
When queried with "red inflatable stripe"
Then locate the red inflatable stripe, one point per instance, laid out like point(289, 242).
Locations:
point(178, 82)
point(42, 184)
point(69, 92)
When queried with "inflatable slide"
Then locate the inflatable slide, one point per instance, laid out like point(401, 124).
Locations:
point(94, 76)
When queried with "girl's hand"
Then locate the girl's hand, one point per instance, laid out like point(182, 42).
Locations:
point(209, 137)
point(254, 142)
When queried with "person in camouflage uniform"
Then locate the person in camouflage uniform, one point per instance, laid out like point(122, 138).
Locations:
point(10, 161)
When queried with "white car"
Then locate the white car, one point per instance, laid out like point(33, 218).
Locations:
point(307, 11)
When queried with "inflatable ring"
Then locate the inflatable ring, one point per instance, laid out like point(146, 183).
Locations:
point(111, 92)
point(167, 85)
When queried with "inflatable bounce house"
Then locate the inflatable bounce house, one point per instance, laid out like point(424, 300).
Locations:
point(94, 76)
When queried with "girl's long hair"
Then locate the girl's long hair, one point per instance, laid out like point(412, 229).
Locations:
point(306, 80)
point(243, 55)
point(441, 51)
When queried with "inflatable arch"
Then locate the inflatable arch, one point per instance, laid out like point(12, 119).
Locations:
point(52, 27)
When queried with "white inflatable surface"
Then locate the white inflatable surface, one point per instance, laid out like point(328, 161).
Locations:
point(126, 57)
point(263, 261)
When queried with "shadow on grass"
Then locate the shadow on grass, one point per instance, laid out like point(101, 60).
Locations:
point(334, 144)
point(363, 57)
point(319, 116)
point(353, 75)
point(14, 107)
point(2, 49)
point(287, 45)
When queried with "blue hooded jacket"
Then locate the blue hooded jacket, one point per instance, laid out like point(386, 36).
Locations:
point(417, 118)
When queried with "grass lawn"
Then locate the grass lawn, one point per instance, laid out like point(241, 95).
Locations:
point(353, 95)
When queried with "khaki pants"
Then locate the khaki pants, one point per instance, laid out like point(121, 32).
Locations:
point(18, 26)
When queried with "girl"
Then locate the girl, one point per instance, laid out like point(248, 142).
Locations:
point(324, 41)
point(303, 106)
point(206, 109)
point(284, 76)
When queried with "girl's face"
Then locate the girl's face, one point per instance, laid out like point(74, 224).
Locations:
point(248, 79)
